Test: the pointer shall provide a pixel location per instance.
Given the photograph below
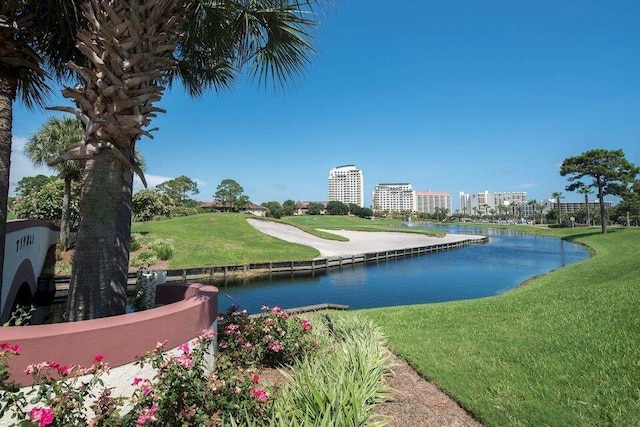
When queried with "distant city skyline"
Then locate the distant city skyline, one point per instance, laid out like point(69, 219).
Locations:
point(459, 97)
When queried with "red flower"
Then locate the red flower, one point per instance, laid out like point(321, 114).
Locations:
point(99, 358)
point(13, 348)
point(42, 416)
point(261, 395)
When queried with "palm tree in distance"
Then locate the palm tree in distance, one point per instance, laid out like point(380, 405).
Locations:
point(36, 39)
point(534, 205)
point(556, 195)
point(53, 138)
point(133, 51)
point(540, 206)
point(584, 190)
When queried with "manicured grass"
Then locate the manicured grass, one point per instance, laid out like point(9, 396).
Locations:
point(339, 222)
point(563, 350)
point(219, 239)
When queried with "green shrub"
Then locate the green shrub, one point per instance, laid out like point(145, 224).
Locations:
point(135, 242)
point(144, 258)
point(185, 211)
point(273, 339)
point(162, 248)
point(339, 385)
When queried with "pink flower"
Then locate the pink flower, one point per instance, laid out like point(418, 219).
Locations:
point(136, 381)
point(231, 329)
point(147, 415)
point(13, 348)
point(261, 395)
point(208, 333)
point(184, 360)
point(223, 345)
point(275, 346)
point(255, 378)
point(306, 325)
point(30, 369)
point(42, 416)
point(99, 358)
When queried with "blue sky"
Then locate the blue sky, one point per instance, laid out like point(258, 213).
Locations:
point(446, 95)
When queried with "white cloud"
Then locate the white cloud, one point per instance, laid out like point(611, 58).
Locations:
point(153, 180)
point(21, 166)
point(527, 185)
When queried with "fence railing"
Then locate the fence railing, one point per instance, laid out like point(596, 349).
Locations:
point(222, 273)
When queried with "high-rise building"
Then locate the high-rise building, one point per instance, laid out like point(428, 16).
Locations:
point(428, 201)
point(346, 185)
point(484, 202)
point(394, 197)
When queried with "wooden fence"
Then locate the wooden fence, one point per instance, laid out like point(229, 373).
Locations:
point(222, 273)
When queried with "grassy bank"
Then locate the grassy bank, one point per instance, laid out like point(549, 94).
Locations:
point(227, 238)
point(219, 239)
point(563, 350)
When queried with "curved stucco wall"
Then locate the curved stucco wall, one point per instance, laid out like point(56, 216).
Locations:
point(120, 339)
point(25, 240)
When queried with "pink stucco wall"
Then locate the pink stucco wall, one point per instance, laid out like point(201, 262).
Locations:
point(120, 339)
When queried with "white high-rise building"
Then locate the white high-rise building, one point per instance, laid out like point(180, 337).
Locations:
point(428, 201)
point(346, 185)
point(394, 197)
point(484, 202)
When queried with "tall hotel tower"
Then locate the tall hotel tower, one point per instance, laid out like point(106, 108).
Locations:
point(346, 185)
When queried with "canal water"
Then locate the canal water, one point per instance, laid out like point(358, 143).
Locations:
point(507, 260)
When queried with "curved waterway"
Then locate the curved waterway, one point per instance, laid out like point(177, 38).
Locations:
point(507, 260)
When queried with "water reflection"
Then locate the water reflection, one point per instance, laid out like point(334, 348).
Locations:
point(510, 258)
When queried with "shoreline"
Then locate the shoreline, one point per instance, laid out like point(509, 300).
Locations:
point(360, 242)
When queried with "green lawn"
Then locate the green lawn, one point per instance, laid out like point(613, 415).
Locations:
point(562, 351)
point(219, 239)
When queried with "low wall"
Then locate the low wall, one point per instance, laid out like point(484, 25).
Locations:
point(120, 339)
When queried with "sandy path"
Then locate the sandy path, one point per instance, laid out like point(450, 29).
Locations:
point(359, 241)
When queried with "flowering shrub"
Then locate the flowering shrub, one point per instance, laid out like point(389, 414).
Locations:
point(273, 339)
point(184, 390)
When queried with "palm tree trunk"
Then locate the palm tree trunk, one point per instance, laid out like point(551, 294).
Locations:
point(64, 217)
point(586, 207)
point(8, 87)
point(603, 213)
point(99, 278)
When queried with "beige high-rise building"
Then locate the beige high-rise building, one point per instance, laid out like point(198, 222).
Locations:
point(483, 202)
point(428, 201)
point(346, 185)
point(394, 197)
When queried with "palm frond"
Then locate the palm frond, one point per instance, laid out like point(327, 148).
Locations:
point(271, 39)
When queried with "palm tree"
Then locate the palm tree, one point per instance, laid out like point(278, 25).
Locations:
point(585, 190)
point(53, 138)
point(36, 40)
point(133, 51)
point(556, 195)
point(534, 205)
point(540, 205)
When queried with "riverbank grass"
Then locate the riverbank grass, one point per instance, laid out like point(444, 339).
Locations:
point(219, 239)
point(562, 350)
